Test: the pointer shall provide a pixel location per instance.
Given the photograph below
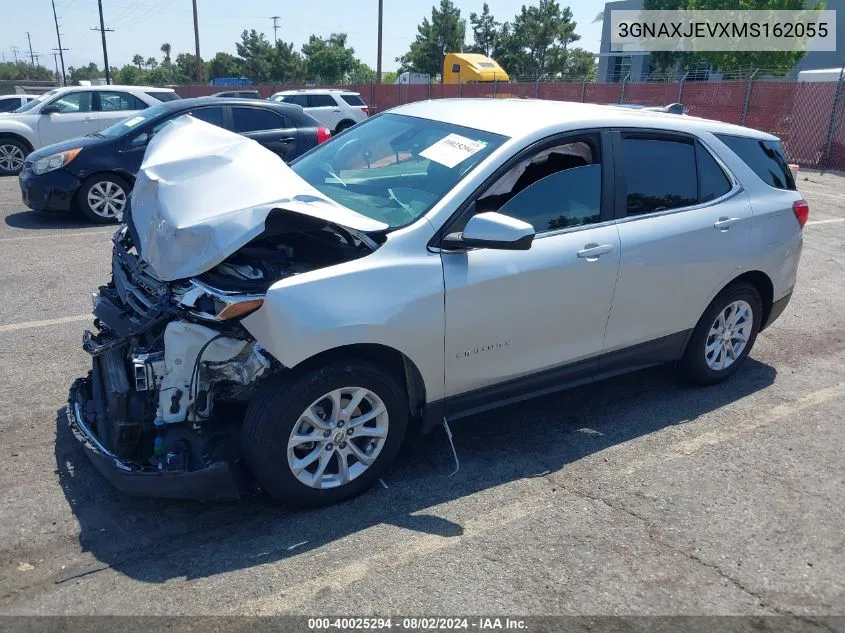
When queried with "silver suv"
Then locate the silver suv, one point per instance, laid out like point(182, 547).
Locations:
point(336, 109)
point(289, 327)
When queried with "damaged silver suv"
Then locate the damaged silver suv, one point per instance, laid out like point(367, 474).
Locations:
point(286, 328)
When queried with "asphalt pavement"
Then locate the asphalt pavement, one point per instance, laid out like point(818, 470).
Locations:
point(639, 495)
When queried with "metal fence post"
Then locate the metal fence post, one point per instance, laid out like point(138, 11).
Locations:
point(681, 88)
point(495, 85)
point(583, 88)
point(399, 92)
point(537, 88)
point(747, 97)
point(622, 91)
point(831, 125)
point(373, 97)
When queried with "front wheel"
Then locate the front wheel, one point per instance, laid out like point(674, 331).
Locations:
point(12, 155)
point(724, 335)
point(102, 198)
point(326, 434)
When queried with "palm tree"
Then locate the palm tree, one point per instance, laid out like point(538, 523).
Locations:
point(151, 62)
point(165, 48)
point(138, 61)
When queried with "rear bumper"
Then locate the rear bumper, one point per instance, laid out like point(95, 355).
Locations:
point(217, 482)
point(777, 309)
point(53, 191)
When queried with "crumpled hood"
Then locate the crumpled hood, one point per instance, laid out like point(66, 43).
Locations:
point(203, 192)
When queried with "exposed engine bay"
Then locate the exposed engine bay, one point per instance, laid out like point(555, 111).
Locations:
point(173, 368)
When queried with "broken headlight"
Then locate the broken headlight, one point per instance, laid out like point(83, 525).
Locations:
point(212, 304)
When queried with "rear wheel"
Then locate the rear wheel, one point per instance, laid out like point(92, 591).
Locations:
point(324, 435)
point(343, 125)
point(102, 198)
point(12, 155)
point(724, 335)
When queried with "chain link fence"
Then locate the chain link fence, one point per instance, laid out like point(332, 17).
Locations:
point(808, 116)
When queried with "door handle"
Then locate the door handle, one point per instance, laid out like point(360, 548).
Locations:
point(723, 224)
point(286, 139)
point(336, 110)
point(89, 118)
point(591, 252)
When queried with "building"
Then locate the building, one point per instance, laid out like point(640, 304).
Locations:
point(614, 67)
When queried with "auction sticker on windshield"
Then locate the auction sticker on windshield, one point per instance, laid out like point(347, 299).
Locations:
point(452, 149)
point(133, 121)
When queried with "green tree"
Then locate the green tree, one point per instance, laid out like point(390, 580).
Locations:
point(361, 74)
point(257, 56)
point(185, 68)
point(152, 63)
point(130, 75)
point(580, 63)
point(485, 29)
point(83, 73)
point(223, 65)
point(22, 70)
point(138, 60)
point(444, 33)
point(389, 76)
point(329, 60)
point(166, 48)
point(288, 65)
point(542, 34)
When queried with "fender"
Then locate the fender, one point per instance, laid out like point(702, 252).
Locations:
point(12, 127)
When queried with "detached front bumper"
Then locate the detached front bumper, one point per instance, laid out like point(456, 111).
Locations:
point(217, 482)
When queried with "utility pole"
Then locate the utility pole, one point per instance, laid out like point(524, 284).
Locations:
point(197, 42)
point(275, 19)
point(15, 50)
point(31, 54)
point(378, 54)
point(56, 61)
point(103, 30)
point(60, 49)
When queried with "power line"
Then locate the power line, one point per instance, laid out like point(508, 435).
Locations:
point(60, 49)
point(275, 19)
point(103, 30)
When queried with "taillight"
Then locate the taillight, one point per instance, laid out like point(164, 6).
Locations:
point(802, 211)
point(366, 111)
point(323, 135)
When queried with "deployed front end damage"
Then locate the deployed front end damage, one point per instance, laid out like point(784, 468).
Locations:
point(172, 366)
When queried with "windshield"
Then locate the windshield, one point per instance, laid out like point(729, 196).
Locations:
point(394, 168)
point(36, 102)
point(132, 122)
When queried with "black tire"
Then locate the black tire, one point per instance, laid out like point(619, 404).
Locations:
point(104, 180)
point(343, 125)
point(276, 409)
point(694, 363)
point(13, 149)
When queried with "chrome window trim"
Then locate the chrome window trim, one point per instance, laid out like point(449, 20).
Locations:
point(735, 190)
point(574, 229)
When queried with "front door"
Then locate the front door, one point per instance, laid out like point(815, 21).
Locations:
point(512, 314)
point(75, 117)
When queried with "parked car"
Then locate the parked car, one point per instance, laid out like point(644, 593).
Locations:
point(437, 261)
point(94, 174)
point(10, 103)
point(336, 109)
point(65, 113)
point(239, 94)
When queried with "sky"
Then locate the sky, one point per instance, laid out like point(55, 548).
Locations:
point(142, 26)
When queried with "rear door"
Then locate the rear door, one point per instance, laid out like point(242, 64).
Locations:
point(115, 106)
point(268, 127)
point(684, 225)
point(325, 109)
point(75, 117)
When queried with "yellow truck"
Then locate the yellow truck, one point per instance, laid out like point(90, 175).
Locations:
point(463, 68)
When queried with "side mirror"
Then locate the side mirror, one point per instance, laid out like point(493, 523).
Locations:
point(492, 230)
point(50, 109)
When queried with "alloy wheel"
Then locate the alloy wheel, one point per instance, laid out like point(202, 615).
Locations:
point(729, 335)
point(11, 158)
point(107, 199)
point(337, 437)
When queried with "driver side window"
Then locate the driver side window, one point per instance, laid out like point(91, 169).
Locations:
point(73, 102)
point(556, 188)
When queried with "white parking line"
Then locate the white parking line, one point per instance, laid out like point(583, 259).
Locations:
point(11, 327)
point(55, 235)
point(831, 221)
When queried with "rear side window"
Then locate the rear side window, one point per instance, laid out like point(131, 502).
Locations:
point(353, 100)
point(660, 174)
point(766, 158)
point(300, 100)
point(321, 101)
point(713, 183)
point(116, 101)
point(255, 120)
point(7, 105)
point(163, 96)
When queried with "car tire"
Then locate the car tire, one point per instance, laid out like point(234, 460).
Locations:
point(724, 335)
point(343, 125)
point(103, 198)
point(293, 423)
point(12, 155)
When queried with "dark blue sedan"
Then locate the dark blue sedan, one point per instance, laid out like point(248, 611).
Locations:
point(94, 174)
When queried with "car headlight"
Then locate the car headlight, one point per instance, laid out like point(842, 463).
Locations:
point(212, 304)
point(55, 161)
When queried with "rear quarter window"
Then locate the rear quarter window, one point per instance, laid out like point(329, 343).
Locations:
point(765, 158)
point(163, 96)
point(353, 100)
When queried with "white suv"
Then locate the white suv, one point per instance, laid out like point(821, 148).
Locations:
point(69, 112)
point(336, 109)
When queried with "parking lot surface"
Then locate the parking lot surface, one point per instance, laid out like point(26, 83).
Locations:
point(638, 495)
